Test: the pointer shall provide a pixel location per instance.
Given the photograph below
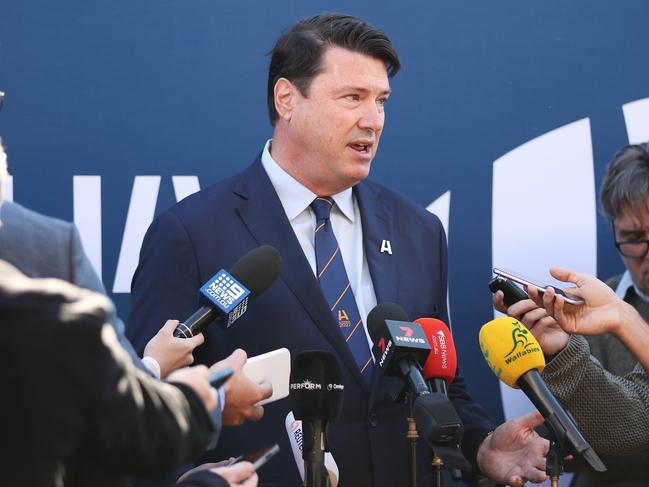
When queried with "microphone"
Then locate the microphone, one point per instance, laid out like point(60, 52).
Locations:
point(441, 365)
point(440, 369)
point(225, 296)
point(514, 355)
point(316, 392)
point(399, 345)
point(295, 435)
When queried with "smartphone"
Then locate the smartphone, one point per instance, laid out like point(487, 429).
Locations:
point(275, 367)
point(512, 293)
point(260, 457)
point(217, 379)
point(507, 274)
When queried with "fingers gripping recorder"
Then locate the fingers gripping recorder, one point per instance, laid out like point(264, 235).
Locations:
point(516, 358)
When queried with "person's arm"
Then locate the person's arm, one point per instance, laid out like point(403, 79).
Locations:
point(241, 394)
point(545, 329)
point(140, 426)
point(170, 352)
point(635, 336)
point(610, 410)
point(240, 474)
point(603, 312)
point(514, 453)
point(83, 275)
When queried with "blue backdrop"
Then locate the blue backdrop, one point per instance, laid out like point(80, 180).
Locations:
point(120, 89)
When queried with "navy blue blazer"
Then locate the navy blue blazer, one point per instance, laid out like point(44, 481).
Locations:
point(211, 229)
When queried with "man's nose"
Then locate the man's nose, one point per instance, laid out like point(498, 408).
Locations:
point(373, 118)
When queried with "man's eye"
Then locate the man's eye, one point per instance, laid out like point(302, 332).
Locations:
point(382, 101)
point(352, 97)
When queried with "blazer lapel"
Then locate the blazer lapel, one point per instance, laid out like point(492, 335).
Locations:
point(378, 237)
point(380, 252)
point(264, 216)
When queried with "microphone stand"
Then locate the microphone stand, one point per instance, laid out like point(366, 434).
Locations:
point(438, 465)
point(412, 435)
point(313, 448)
point(554, 464)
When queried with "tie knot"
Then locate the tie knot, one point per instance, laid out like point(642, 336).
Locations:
point(322, 207)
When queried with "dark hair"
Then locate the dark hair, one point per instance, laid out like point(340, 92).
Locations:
point(626, 183)
point(298, 52)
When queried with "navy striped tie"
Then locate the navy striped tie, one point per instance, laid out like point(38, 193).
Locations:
point(335, 286)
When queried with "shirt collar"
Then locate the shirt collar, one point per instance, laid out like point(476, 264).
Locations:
point(625, 283)
point(294, 196)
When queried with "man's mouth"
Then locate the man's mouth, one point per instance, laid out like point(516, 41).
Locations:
point(362, 147)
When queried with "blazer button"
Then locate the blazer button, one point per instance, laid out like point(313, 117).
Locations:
point(373, 420)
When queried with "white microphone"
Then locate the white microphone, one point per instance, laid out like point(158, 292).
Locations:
point(294, 431)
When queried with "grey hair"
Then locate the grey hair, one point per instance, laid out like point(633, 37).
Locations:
point(626, 183)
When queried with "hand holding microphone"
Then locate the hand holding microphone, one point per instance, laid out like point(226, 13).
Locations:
point(515, 356)
point(171, 352)
point(544, 327)
point(225, 296)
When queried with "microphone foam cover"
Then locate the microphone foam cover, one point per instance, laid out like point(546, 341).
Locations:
point(316, 388)
point(381, 312)
point(510, 349)
point(442, 361)
point(258, 269)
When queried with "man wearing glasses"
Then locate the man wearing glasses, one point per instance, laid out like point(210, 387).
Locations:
point(624, 198)
point(619, 383)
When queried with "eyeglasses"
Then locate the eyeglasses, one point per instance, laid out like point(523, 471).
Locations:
point(635, 249)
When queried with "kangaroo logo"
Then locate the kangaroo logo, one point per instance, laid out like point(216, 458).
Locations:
point(519, 337)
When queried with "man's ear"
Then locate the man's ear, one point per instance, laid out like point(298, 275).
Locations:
point(285, 95)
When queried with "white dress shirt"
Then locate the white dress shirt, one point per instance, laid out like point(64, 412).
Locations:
point(345, 221)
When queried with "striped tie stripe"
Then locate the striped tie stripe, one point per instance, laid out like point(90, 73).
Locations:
point(332, 276)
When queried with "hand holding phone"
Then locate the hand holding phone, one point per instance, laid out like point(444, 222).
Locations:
point(508, 274)
point(511, 292)
point(273, 366)
point(260, 457)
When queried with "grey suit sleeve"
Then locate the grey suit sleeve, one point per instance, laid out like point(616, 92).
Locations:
point(611, 411)
point(84, 276)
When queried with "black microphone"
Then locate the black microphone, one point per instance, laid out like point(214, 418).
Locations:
point(399, 345)
point(225, 296)
point(316, 392)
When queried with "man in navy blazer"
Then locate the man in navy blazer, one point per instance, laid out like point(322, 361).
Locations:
point(328, 83)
